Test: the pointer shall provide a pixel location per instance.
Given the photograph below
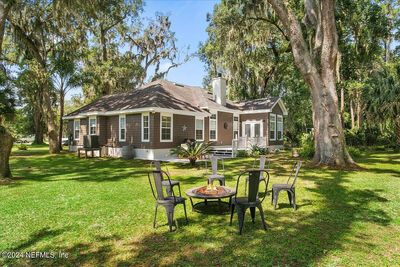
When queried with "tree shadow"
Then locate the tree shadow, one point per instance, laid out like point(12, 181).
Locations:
point(299, 243)
point(293, 239)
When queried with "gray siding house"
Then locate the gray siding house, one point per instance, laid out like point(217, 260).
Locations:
point(162, 114)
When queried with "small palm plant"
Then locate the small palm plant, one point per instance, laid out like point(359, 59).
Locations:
point(192, 151)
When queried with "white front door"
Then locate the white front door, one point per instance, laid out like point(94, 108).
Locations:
point(252, 129)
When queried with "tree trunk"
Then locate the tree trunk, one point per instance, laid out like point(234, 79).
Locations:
point(330, 147)
point(342, 100)
point(50, 121)
point(60, 131)
point(387, 49)
point(6, 139)
point(38, 124)
point(352, 115)
point(4, 10)
point(6, 143)
point(103, 43)
point(359, 113)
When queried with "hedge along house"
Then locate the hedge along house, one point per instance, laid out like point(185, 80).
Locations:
point(162, 115)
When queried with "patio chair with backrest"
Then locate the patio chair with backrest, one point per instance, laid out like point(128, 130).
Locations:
point(252, 198)
point(262, 161)
point(289, 187)
point(215, 175)
point(168, 185)
point(168, 202)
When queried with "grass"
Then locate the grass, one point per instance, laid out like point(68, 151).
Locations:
point(100, 211)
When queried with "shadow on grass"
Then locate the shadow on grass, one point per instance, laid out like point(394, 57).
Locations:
point(299, 242)
point(294, 238)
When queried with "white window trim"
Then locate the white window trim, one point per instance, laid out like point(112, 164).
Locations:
point(143, 115)
point(216, 126)
point(195, 129)
point(233, 126)
point(119, 127)
point(79, 123)
point(95, 127)
point(281, 117)
point(172, 127)
point(269, 127)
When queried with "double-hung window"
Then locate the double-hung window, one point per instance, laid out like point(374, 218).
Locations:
point(145, 127)
point(272, 127)
point(199, 126)
point(92, 125)
point(235, 127)
point(122, 128)
point(279, 127)
point(166, 128)
point(77, 129)
point(213, 127)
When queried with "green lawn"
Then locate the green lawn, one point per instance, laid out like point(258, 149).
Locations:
point(100, 212)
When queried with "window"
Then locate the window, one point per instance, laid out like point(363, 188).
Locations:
point(247, 130)
point(145, 127)
point(235, 127)
point(122, 127)
point(166, 128)
point(279, 127)
point(252, 128)
point(257, 130)
point(199, 129)
point(213, 127)
point(77, 128)
point(272, 127)
point(92, 125)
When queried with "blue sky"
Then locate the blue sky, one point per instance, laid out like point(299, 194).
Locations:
point(188, 21)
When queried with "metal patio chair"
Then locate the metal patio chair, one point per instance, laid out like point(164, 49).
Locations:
point(252, 198)
point(168, 185)
point(288, 187)
point(215, 175)
point(168, 202)
point(262, 161)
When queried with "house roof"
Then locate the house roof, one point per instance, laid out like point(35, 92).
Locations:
point(168, 95)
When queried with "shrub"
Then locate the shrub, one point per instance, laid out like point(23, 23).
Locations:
point(22, 147)
point(354, 137)
point(192, 150)
point(257, 151)
point(354, 151)
point(306, 146)
point(241, 154)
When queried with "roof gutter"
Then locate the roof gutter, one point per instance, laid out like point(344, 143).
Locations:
point(133, 111)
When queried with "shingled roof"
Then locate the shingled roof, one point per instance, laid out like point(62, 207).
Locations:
point(169, 95)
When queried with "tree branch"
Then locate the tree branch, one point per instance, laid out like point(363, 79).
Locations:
point(273, 23)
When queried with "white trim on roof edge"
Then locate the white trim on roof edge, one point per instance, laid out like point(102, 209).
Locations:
point(137, 110)
point(174, 111)
point(282, 106)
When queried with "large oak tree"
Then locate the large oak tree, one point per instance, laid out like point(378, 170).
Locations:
point(6, 100)
point(318, 66)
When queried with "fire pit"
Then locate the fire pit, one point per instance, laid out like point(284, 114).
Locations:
point(211, 192)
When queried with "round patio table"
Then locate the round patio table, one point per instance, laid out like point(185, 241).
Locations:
point(215, 194)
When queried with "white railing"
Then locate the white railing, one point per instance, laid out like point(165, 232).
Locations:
point(245, 143)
